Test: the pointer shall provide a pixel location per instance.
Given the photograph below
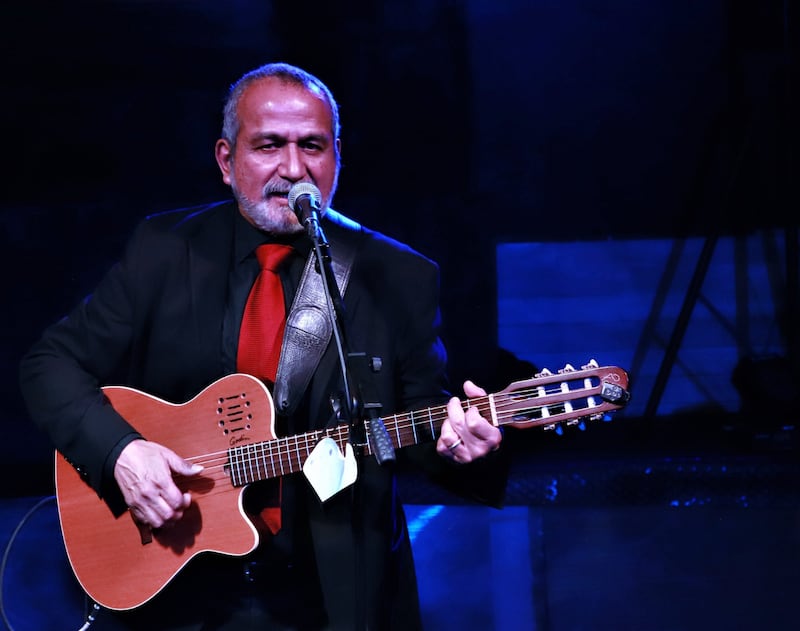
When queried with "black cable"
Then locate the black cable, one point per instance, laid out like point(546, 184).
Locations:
point(3, 564)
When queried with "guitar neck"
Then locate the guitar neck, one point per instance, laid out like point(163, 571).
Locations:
point(548, 400)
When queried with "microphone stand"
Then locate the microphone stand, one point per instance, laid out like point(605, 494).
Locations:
point(359, 392)
point(359, 397)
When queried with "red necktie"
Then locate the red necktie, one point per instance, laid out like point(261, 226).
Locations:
point(264, 317)
point(260, 340)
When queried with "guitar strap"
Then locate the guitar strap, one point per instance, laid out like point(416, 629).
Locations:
point(308, 325)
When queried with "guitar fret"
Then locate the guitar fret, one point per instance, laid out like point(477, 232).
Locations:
point(414, 429)
point(273, 446)
point(340, 434)
point(291, 453)
point(252, 460)
point(492, 409)
point(398, 437)
point(259, 475)
point(272, 472)
point(259, 449)
point(236, 469)
point(272, 460)
point(269, 462)
point(240, 467)
point(247, 464)
point(232, 466)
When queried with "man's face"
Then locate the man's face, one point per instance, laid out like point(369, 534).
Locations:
point(284, 137)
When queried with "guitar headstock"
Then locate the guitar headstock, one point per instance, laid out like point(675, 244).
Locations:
point(568, 396)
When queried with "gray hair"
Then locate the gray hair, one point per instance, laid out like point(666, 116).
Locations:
point(286, 73)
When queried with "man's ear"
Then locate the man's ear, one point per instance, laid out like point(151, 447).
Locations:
point(224, 156)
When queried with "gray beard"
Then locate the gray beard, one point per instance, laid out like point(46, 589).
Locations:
point(273, 221)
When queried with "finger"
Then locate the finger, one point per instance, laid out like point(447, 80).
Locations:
point(478, 426)
point(181, 466)
point(472, 390)
point(163, 508)
point(146, 515)
point(447, 437)
point(455, 415)
point(174, 499)
point(446, 446)
point(159, 513)
point(177, 499)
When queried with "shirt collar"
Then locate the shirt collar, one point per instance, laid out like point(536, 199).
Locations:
point(247, 238)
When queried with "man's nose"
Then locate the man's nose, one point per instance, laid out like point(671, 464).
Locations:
point(292, 166)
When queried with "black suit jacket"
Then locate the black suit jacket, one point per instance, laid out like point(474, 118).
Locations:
point(155, 323)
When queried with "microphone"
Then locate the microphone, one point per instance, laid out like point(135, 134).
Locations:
point(304, 200)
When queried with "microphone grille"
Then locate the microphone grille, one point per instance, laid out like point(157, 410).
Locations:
point(304, 188)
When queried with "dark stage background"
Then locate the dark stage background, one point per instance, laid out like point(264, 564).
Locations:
point(611, 179)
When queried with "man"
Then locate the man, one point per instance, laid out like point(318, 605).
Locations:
point(167, 320)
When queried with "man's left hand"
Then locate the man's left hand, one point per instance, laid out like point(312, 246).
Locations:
point(466, 435)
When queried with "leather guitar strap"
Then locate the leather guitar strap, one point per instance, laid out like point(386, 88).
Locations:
point(308, 325)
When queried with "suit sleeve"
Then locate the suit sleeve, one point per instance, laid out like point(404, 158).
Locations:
point(61, 375)
point(424, 383)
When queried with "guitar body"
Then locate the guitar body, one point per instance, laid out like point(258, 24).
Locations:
point(121, 566)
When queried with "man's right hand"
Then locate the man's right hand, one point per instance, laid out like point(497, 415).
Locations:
point(144, 473)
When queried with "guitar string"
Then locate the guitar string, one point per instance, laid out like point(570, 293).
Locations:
point(252, 460)
point(546, 385)
point(294, 444)
point(433, 415)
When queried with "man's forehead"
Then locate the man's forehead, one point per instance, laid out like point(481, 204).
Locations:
point(274, 99)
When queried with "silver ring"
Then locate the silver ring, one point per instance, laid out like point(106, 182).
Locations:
point(454, 445)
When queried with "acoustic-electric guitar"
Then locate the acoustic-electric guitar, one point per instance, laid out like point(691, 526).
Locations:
point(229, 429)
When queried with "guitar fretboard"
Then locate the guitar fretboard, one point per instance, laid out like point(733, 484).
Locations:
point(283, 456)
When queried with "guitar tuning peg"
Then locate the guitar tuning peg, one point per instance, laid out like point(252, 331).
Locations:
point(592, 364)
point(567, 368)
point(543, 373)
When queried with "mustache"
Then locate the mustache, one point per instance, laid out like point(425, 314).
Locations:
point(278, 188)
